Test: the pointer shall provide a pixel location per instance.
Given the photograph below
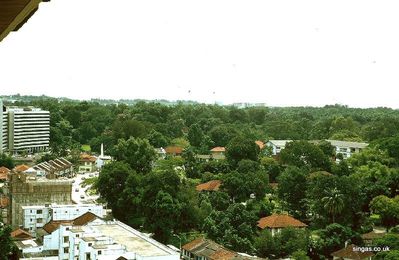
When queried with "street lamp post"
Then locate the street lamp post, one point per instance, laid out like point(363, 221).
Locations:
point(179, 242)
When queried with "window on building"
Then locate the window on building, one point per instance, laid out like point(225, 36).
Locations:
point(66, 250)
point(90, 244)
point(88, 256)
point(99, 252)
point(39, 211)
point(66, 239)
point(39, 220)
point(77, 235)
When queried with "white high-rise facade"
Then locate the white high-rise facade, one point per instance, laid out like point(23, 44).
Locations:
point(24, 129)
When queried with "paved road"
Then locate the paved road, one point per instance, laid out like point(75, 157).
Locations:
point(79, 194)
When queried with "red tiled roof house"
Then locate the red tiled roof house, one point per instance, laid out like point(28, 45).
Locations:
point(276, 222)
point(209, 186)
point(4, 173)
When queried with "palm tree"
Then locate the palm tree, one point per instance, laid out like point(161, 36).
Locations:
point(333, 202)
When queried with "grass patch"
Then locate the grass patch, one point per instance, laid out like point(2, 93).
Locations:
point(86, 148)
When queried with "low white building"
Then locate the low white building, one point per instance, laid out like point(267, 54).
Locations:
point(35, 217)
point(91, 238)
point(347, 149)
point(277, 145)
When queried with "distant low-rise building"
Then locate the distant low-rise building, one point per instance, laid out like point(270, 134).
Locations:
point(4, 172)
point(347, 149)
point(87, 163)
point(276, 222)
point(173, 150)
point(57, 168)
point(277, 146)
point(219, 150)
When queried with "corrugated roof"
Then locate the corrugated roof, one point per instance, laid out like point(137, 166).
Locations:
point(84, 219)
point(348, 144)
point(260, 144)
point(218, 149)
point(79, 221)
point(193, 244)
point(209, 186)
point(279, 221)
point(209, 249)
point(54, 225)
point(87, 158)
point(20, 234)
point(21, 168)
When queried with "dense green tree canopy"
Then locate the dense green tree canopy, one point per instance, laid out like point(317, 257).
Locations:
point(240, 148)
point(6, 161)
point(138, 153)
point(305, 154)
point(6, 244)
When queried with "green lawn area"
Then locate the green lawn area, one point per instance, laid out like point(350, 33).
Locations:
point(86, 148)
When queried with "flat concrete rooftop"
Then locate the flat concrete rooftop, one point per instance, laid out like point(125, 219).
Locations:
point(141, 245)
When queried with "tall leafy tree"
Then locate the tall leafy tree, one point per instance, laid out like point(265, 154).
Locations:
point(137, 152)
point(195, 135)
point(240, 148)
point(292, 190)
point(6, 244)
point(6, 161)
point(333, 202)
point(111, 183)
point(305, 154)
point(233, 228)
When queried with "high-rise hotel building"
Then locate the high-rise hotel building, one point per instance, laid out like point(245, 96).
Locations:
point(24, 129)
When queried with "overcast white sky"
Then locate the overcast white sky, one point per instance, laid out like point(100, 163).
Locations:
point(275, 52)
